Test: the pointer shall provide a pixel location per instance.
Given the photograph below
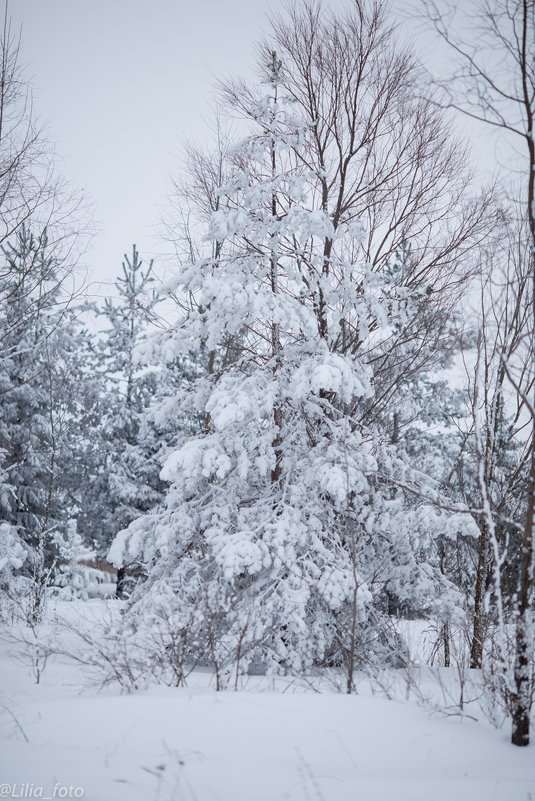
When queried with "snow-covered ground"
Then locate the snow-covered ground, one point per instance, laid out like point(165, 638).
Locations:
point(271, 741)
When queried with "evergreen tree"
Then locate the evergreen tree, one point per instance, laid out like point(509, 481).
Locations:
point(281, 527)
point(121, 454)
point(38, 336)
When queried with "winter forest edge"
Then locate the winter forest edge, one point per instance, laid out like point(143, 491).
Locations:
point(318, 431)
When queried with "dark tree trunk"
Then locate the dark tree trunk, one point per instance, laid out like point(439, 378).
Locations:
point(522, 696)
point(121, 576)
point(478, 637)
point(446, 641)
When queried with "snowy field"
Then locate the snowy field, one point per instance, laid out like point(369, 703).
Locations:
point(273, 740)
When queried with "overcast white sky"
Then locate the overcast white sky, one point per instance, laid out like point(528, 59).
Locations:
point(121, 84)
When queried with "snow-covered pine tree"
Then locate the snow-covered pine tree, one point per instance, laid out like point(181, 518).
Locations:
point(39, 337)
point(121, 452)
point(280, 530)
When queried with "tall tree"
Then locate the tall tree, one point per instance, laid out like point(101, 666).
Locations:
point(121, 453)
point(386, 157)
point(39, 334)
point(281, 528)
point(494, 82)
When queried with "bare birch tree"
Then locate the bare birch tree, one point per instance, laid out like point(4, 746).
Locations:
point(494, 83)
point(31, 193)
point(385, 156)
point(41, 225)
point(499, 421)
